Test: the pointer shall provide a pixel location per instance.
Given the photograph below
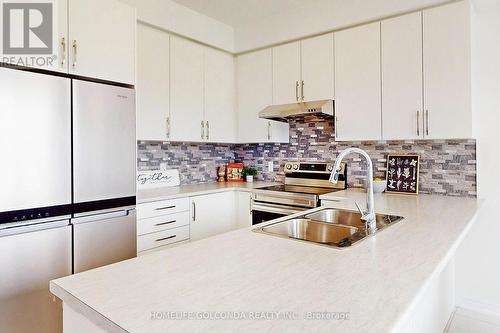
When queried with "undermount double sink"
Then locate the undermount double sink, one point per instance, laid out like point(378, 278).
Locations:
point(328, 227)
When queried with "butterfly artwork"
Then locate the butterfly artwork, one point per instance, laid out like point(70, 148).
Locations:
point(403, 174)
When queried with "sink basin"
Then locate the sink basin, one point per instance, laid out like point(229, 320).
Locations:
point(312, 231)
point(328, 227)
point(350, 218)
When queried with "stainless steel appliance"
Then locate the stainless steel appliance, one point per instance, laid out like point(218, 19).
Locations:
point(286, 111)
point(304, 183)
point(104, 167)
point(35, 198)
point(67, 188)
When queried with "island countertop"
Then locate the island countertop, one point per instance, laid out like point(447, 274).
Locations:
point(375, 282)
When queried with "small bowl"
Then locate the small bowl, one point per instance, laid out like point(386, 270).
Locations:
point(379, 186)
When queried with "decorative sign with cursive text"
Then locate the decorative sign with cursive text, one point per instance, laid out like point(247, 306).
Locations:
point(154, 179)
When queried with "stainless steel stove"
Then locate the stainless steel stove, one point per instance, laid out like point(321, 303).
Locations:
point(304, 183)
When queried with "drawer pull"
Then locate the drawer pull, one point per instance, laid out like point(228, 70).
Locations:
point(163, 208)
point(166, 238)
point(165, 223)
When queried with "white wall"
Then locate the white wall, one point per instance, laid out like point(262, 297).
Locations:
point(478, 259)
point(318, 16)
point(181, 20)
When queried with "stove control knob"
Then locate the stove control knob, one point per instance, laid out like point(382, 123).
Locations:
point(330, 168)
point(288, 166)
point(295, 167)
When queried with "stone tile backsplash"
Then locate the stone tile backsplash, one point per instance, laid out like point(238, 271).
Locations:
point(447, 167)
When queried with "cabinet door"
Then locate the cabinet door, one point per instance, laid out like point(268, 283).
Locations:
point(254, 93)
point(244, 209)
point(402, 77)
point(286, 73)
point(357, 83)
point(447, 90)
point(153, 91)
point(212, 214)
point(317, 68)
point(186, 90)
point(102, 40)
point(220, 114)
point(56, 60)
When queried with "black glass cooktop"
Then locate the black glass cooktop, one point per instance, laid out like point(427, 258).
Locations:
point(299, 189)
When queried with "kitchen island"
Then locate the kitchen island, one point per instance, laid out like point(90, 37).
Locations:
point(267, 283)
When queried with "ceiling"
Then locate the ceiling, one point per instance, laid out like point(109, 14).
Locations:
point(239, 12)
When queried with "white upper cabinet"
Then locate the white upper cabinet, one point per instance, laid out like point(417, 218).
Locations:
point(186, 90)
point(402, 77)
point(220, 114)
point(254, 88)
point(153, 84)
point(304, 71)
point(318, 68)
point(357, 83)
point(57, 60)
point(447, 92)
point(102, 40)
point(286, 73)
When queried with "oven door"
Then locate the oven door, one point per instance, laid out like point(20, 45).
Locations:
point(263, 212)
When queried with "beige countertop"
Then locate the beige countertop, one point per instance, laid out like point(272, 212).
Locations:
point(375, 281)
point(167, 193)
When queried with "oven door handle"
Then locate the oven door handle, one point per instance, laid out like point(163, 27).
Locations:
point(276, 209)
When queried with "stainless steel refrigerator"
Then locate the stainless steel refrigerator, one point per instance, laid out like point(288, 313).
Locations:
point(67, 188)
point(104, 169)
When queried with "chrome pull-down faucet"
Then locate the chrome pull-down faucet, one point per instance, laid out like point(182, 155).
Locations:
point(369, 214)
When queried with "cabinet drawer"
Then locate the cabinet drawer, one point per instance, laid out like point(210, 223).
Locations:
point(161, 238)
point(159, 223)
point(156, 249)
point(158, 208)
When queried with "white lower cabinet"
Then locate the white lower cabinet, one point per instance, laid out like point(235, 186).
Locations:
point(213, 214)
point(168, 223)
point(244, 209)
point(161, 224)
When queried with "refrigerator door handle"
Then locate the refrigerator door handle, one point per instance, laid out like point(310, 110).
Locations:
point(99, 217)
point(32, 227)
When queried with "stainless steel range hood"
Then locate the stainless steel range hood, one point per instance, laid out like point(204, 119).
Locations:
point(286, 111)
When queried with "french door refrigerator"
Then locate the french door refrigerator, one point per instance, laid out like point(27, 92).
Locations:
point(35, 198)
point(67, 189)
point(104, 169)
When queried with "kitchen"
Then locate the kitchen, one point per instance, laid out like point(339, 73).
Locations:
point(135, 215)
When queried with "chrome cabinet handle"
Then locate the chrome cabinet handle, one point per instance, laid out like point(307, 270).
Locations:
point(202, 130)
point(75, 53)
point(194, 211)
point(269, 130)
point(166, 238)
point(336, 129)
point(427, 122)
point(302, 90)
point(208, 131)
point(168, 127)
point(418, 123)
point(164, 208)
point(296, 90)
point(164, 223)
point(63, 46)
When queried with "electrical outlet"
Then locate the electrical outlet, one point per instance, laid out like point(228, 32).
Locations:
point(270, 166)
